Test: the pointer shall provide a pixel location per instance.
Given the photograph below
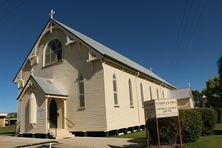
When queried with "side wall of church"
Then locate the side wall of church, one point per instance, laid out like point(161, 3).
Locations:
point(123, 115)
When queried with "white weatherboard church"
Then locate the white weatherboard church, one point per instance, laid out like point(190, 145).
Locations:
point(70, 83)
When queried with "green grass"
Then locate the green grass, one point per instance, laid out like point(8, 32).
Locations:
point(136, 135)
point(211, 141)
point(7, 130)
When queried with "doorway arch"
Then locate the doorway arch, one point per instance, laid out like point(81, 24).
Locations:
point(53, 114)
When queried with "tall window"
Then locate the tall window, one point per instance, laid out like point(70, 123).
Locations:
point(115, 90)
point(81, 92)
point(130, 93)
point(141, 91)
point(163, 94)
point(151, 96)
point(53, 52)
point(157, 93)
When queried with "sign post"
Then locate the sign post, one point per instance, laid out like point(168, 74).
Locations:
point(162, 108)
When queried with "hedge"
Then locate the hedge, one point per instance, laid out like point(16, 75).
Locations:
point(191, 124)
point(219, 114)
point(168, 130)
point(208, 120)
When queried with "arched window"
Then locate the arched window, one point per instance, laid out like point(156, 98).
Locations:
point(81, 92)
point(141, 91)
point(130, 93)
point(32, 109)
point(115, 90)
point(53, 52)
point(157, 93)
point(163, 94)
point(151, 96)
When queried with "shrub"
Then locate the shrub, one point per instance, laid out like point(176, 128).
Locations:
point(219, 114)
point(168, 130)
point(208, 120)
point(191, 125)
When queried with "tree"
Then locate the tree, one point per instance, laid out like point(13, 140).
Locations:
point(213, 92)
point(197, 98)
point(219, 64)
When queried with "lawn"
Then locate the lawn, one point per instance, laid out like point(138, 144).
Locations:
point(8, 130)
point(211, 141)
point(136, 135)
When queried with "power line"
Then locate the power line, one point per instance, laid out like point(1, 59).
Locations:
point(12, 10)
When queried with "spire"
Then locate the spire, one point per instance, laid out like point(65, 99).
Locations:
point(52, 12)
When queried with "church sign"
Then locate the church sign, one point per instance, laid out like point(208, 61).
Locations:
point(160, 108)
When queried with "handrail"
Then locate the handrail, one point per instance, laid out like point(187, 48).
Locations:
point(17, 128)
point(70, 121)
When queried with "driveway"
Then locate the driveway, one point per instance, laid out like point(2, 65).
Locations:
point(76, 142)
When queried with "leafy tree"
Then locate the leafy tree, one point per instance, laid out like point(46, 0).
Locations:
point(197, 98)
point(219, 64)
point(213, 92)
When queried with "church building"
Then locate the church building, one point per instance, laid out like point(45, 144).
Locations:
point(71, 84)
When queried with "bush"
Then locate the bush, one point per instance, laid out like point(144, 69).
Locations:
point(208, 120)
point(219, 114)
point(168, 130)
point(191, 125)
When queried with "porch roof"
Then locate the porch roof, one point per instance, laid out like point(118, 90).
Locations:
point(48, 86)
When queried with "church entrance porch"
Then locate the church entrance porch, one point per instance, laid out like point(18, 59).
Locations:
point(56, 113)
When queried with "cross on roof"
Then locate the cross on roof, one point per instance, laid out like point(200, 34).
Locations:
point(52, 12)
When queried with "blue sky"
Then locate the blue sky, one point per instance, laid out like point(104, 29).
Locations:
point(180, 40)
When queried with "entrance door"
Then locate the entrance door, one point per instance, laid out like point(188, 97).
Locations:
point(53, 114)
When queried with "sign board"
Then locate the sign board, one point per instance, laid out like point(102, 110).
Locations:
point(160, 108)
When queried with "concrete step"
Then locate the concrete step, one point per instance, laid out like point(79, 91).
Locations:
point(60, 133)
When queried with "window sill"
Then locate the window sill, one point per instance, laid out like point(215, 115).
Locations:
point(116, 106)
point(53, 64)
point(81, 108)
point(131, 106)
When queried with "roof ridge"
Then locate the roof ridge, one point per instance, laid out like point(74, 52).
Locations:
point(112, 53)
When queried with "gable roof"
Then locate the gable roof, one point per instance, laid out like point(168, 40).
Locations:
point(180, 93)
point(48, 86)
point(108, 53)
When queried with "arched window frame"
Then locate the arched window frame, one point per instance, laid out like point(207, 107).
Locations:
point(130, 93)
point(48, 53)
point(163, 94)
point(157, 93)
point(115, 92)
point(142, 95)
point(151, 95)
point(81, 92)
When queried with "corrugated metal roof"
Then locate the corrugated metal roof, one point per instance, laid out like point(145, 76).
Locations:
point(180, 93)
point(49, 86)
point(109, 52)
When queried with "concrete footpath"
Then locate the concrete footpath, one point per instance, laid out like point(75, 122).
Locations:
point(76, 142)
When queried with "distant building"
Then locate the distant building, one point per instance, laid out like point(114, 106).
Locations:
point(72, 83)
point(2, 119)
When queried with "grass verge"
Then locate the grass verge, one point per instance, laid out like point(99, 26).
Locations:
point(8, 130)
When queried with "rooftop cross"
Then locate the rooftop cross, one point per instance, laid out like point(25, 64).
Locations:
point(52, 12)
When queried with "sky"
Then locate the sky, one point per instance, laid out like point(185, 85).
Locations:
point(180, 41)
